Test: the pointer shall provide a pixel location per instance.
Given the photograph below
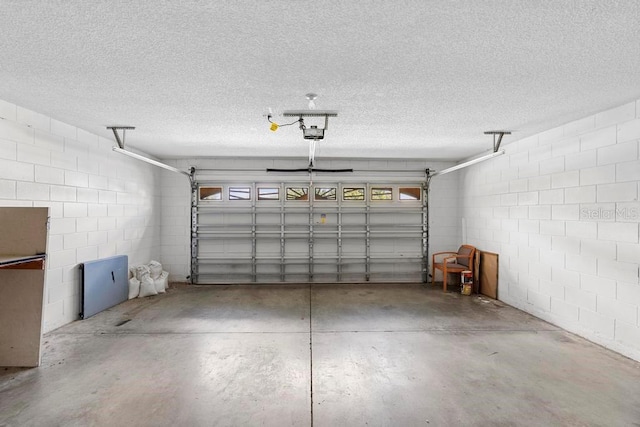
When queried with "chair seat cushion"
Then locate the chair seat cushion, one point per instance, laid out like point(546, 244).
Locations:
point(451, 266)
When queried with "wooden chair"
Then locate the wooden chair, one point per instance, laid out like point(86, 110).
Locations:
point(453, 262)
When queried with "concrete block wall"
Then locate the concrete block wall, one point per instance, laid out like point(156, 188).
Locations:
point(562, 210)
point(444, 215)
point(101, 203)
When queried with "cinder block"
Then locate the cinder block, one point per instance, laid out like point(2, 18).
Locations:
point(88, 253)
point(76, 179)
point(75, 210)
point(598, 285)
point(566, 278)
point(96, 210)
point(64, 161)
point(86, 224)
point(96, 238)
point(539, 183)
point(565, 212)
point(599, 324)
point(61, 258)
point(7, 189)
point(551, 166)
point(540, 212)
point(628, 252)
point(98, 182)
point(580, 263)
point(554, 228)
point(616, 115)
point(541, 271)
point(628, 334)
point(540, 241)
point(32, 191)
point(581, 229)
point(619, 310)
point(62, 193)
point(528, 226)
point(551, 197)
point(622, 271)
point(565, 179)
point(563, 309)
point(18, 171)
point(628, 292)
point(528, 198)
point(48, 175)
point(598, 138)
point(598, 175)
point(541, 153)
point(87, 195)
point(565, 244)
point(518, 159)
point(540, 301)
point(581, 298)
point(17, 132)
point(107, 197)
point(529, 170)
point(618, 231)
point(566, 146)
point(580, 126)
point(600, 249)
point(8, 150)
point(518, 185)
point(584, 194)
point(518, 212)
point(621, 152)
point(75, 240)
point(628, 171)
point(628, 131)
point(582, 160)
point(33, 154)
point(509, 199)
point(47, 140)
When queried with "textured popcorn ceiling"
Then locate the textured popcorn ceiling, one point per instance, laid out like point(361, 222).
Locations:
point(415, 79)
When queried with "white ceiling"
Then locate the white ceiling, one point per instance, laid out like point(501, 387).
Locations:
point(410, 79)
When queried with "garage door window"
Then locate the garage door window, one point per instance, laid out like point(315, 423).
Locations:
point(239, 193)
point(297, 193)
point(210, 193)
point(353, 193)
point(380, 193)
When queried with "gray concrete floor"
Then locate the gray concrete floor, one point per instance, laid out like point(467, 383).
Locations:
point(322, 355)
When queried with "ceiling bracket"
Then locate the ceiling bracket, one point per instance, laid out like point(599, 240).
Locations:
point(124, 129)
point(499, 134)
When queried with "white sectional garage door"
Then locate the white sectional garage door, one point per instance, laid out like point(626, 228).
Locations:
point(297, 231)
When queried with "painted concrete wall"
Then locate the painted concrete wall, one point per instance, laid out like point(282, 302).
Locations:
point(101, 203)
point(444, 215)
point(561, 208)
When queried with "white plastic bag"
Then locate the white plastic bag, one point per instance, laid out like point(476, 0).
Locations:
point(162, 282)
point(134, 287)
point(141, 271)
point(147, 285)
point(155, 268)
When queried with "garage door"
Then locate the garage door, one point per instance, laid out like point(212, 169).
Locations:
point(298, 231)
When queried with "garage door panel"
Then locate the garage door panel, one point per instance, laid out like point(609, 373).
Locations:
point(307, 240)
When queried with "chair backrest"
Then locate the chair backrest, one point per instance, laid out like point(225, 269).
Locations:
point(467, 252)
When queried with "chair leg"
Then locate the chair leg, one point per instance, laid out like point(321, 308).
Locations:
point(433, 273)
point(444, 280)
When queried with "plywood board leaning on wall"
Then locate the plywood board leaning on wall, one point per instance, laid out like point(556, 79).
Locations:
point(23, 243)
point(489, 274)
